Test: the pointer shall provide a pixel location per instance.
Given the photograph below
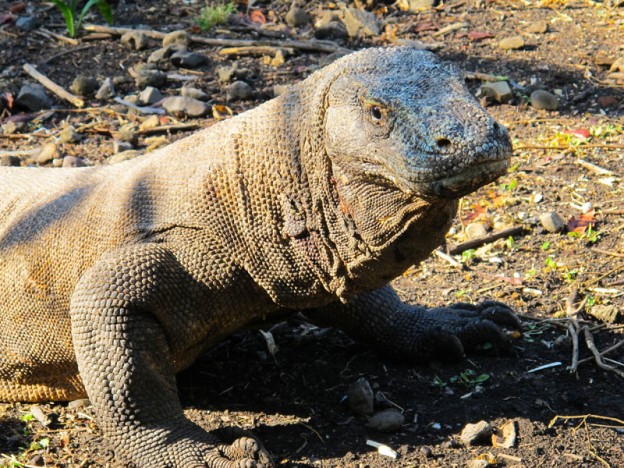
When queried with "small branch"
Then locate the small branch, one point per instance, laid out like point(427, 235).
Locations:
point(170, 128)
point(312, 46)
point(65, 52)
point(605, 352)
point(449, 28)
point(482, 76)
point(142, 110)
point(593, 167)
point(474, 243)
point(52, 86)
point(589, 340)
point(448, 258)
point(607, 252)
point(49, 34)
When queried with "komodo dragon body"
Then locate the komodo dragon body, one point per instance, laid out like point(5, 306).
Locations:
point(114, 278)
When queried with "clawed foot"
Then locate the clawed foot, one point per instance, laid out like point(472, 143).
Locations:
point(242, 453)
point(463, 327)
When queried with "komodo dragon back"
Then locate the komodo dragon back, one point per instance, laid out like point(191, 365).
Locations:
point(115, 278)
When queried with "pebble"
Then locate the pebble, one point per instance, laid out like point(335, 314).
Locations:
point(149, 77)
point(426, 451)
point(84, 85)
point(499, 90)
point(162, 54)
point(182, 106)
point(297, 16)
point(361, 23)
point(512, 43)
point(194, 93)
point(106, 91)
point(238, 91)
point(389, 420)
point(360, 397)
point(233, 72)
point(123, 156)
point(183, 58)
point(473, 434)
point(149, 96)
point(179, 37)
point(552, 221)
point(150, 122)
point(136, 40)
point(543, 100)
point(332, 30)
point(121, 146)
point(33, 97)
point(477, 463)
point(48, 153)
point(9, 160)
point(78, 403)
point(26, 23)
point(69, 135)
point(475, 230)
point(72, 161)
point(537, 27)
point(127, 133)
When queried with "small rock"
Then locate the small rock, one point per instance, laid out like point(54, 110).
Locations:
point(26, 23)
point(607, 101)
point(194, 93)
point(332, 30)
point(84, 85)
point(181, 106)
point(552, 221)
point(106, 91)
point(123, 156)
point(179, 37)
point(477, 463)
point(473, 434)
point(72, 161)
point(426, 451)
point(69, 135)
point(149, 96)
point(360, 397)
point(136, 40)
point(79, 403)
point(297, 16)
point(33, 97)
point(150, 122)
point(36, 460)
point(537, 27)
point(48, 153)
point(389, 420)
point(163, 53)
point(475, 230)
point(145, 77)
point(232, 73)
point(8, 160)
point(186, 59)
point(499, 90)
point(512, 43)
point(239, 91)
point(121, 146)
point(327, 16)
point(361, 23)
point(543, 100)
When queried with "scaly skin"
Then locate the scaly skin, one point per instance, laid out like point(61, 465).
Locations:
point(114, 278)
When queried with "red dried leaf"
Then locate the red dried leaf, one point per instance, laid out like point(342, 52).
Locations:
point(425, 26)
point(479, 35)
point(581, 223)
point(477, 211)
point(256, 16)
point(7, 99)
point(580, 133)
point(6, 18)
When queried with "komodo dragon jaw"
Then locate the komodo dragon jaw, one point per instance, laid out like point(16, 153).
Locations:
point(421, 132)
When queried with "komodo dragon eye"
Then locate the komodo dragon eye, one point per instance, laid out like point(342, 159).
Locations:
point(377, 113)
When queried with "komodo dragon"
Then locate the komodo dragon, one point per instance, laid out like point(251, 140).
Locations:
point(115, 278)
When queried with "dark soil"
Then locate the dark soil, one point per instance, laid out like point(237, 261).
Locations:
point(295, 401)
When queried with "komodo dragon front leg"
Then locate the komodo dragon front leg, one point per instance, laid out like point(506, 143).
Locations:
point(122, 313)
point(416, 333)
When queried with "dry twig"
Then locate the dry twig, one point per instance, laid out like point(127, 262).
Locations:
point(52, 86)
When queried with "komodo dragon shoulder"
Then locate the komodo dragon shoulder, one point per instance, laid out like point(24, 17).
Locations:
point(114, 278)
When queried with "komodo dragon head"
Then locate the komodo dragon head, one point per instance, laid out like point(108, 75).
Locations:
point(405, 119)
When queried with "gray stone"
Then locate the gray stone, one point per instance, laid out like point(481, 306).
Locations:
point(146, 76)
point(26, 23)
point(389, 420)
point(239, 90)
point(473, 434)
point(123, 156)
point(33, 97)
point(537, 27)
point(297, 16)
point(149, 96)
point(512, 43)
point(179, 37)
point(163, 53)
point(47, 153)
point(181, 106)
point(498, 90)
point(543, 100)
point(194, 93)
point(361, 23)
point(106, 91)
point(84, 85)
point(72, 161)
point(69, 135)
point(136, 40)
point(360, 397)
point(186, 59)
point(552, 221)
point(332, 30)
point(475, 230)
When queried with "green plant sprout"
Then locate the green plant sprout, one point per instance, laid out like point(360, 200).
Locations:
point(73, 19)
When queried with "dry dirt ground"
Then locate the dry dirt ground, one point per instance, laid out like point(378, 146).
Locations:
point(569, 161)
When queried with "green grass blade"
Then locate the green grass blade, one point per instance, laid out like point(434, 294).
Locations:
point(105, 11)
point(68, 15)
point(100, 4)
